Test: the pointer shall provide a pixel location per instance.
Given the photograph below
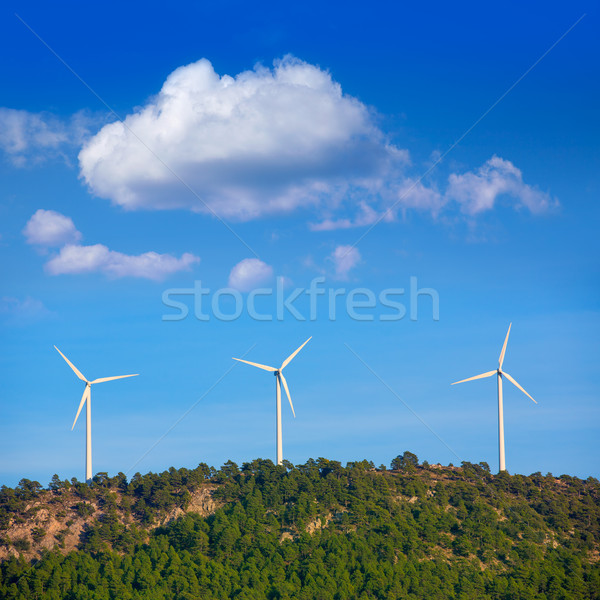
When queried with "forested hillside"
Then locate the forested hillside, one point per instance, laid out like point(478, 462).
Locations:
point(313, 531)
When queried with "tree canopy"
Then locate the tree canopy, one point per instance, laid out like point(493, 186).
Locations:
point(316, 530)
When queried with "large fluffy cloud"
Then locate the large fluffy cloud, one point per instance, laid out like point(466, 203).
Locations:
point(50, 228)
point(249, 273)
point(267, 141)
point(478, 191)
point(264, 141)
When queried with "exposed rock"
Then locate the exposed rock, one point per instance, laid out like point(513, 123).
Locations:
point(202, 503)
point(57, 515)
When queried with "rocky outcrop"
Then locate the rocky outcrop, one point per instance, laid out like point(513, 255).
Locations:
point(55, 521)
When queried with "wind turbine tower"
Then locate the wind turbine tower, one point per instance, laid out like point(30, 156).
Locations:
point(500, 374)
point(87, 397)
point(279, 379)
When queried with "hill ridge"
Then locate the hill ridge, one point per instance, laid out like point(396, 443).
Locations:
point(461, 527)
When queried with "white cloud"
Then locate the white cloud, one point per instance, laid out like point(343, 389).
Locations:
point(249, 273)
point(474, 191)
point(394, 197)
point(33, 137)
point(344, 259)
point(265, 141)
point(50, 228)
point(23, 310)
point(75, 259)
point(410, 193)
point(478, 191)
point(366, 216)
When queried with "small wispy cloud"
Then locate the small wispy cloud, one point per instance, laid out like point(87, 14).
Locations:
point(478, 191)
point(75, 259)
point(48, 228)
point(345, 258)
point(474, 192)
point(366, 216)
point(27, 137)
point(23, 310)
point(249, 273)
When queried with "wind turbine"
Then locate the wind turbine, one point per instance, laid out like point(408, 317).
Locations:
point(88, 396)
point(500, 373)
point(279, 380)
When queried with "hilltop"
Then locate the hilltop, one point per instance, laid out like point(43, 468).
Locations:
point(318, 530)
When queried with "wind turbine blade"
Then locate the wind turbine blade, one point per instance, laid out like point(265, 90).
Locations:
point(103, 379)
point(75, 369)
point(287, 391)
point(501, 359)
point(85, 396)
point(291, 356)
point(257, 365)
point(515, 383)
point(488, 374)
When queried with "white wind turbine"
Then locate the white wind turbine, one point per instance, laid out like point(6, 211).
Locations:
point(500, 373)
point(279, 380)
point(88, 396)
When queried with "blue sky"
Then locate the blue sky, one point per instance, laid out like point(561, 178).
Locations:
point(298, 142)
